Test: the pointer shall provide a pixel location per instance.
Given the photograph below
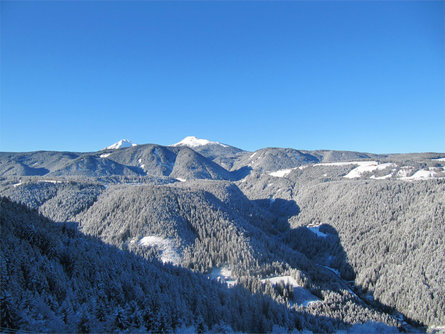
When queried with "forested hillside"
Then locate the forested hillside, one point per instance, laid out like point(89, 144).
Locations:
point(316, 240)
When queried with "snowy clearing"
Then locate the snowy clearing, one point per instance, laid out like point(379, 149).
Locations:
point(424, 174)
point(166, 247)
point(181, 179)
point(105, 155)
point(439, 159)
point(367, 167)
point(285, 279)
point(222, 274)
point(281, 173)
point(382, 177)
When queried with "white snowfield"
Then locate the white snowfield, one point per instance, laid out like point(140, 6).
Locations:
point(407, 173)
point(425, 174)
point(286, 172)
point(167, 248)
point(367, 167)
point(180, 179)
point(281, 173)
point(120, 144)
point(105, 155)
point(192, 141)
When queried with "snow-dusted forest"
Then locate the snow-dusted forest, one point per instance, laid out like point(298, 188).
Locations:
point(205, 237)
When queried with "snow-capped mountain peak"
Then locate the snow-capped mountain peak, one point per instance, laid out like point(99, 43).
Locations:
point(192, 141)
point(120, 144)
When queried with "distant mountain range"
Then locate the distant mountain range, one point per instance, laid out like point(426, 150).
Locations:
point(194, 158)
point(201, 236)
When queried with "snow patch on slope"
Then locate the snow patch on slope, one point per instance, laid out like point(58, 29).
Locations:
point(424, 174)
point(302, 296)
point(120, 144)
point(192, 141)
point(367, 167)
point(222, 274)
point(105, 155)
point(166, 247)
point(285, 279)
point(281, 172)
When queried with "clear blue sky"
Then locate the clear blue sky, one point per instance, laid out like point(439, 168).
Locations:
point(363, 76)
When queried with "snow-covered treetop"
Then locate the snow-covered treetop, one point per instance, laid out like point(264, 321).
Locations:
point(192, 141)
point(120, 144)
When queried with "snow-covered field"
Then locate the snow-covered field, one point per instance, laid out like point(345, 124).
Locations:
point(368, 168)
point(167, 248)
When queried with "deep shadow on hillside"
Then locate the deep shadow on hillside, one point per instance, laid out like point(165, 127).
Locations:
point(322, 244)
point(279, 207)
point(60, 280)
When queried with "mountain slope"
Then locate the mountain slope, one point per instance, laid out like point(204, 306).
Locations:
point(47, 286)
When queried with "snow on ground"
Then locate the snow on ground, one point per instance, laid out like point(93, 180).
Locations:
point(222, 274)
point(105, 155)
point(439, 159)
point(424, 174)
point(367, 167)
point(436, 329)
point(166, 247)
point(281, 173)
point(405, 171)
point(253, 155)
point(302, 296)
point(192, 141)
point(181, 179)
point(316, 229)
point(50, 181)
point(120, 144)
point(17, 184)
point(285, 279)
point(341, 163)
point(371, 327)
point(382, 177)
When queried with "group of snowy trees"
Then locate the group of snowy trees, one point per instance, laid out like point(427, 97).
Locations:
point(386, 236)
point(393, 233)
point(56, 279)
